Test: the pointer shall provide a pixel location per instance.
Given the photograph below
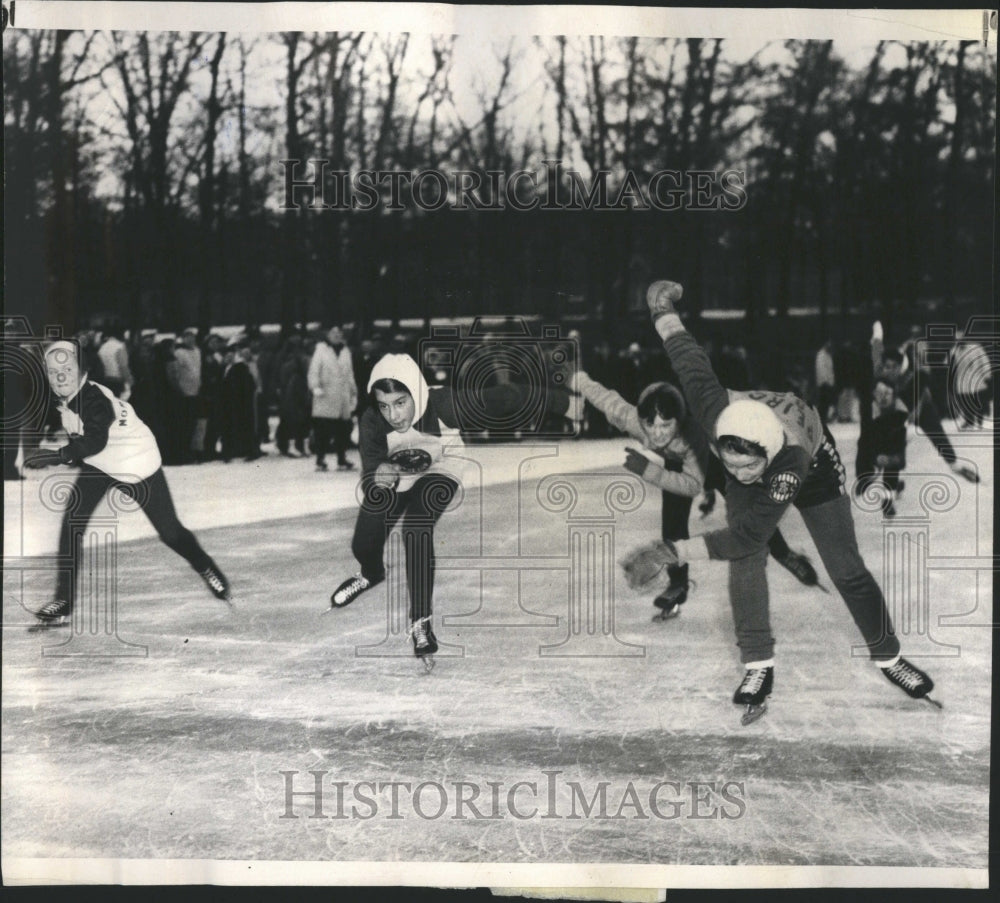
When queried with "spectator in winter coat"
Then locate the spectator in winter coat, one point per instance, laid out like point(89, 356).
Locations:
point(185, 377)
point(334, 398)
point(238, 405)
point(826, 381)
point(114, 358)
point(212, 369)
point(293, 397)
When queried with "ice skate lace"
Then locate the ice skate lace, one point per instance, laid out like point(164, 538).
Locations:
point(754, 680)
point(53, 609)
point(418, 630)
point(214, 581)
point(358, 584)
point(904, 675)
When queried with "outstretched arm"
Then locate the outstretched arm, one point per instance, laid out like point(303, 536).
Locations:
point(702, 390)
point(619, 413)
point(502, 403)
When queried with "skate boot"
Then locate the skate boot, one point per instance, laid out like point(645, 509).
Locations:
point(888, 506)
point(345, 465)
point(800, 568)
point(321, 467)
point(52, 614)
point(909, 679)
point(669, 602)
point(424, 642)
point(217, 583)
point(753, 693)
point(350, 589)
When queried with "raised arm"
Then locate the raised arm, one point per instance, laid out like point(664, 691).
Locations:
point(704, 394)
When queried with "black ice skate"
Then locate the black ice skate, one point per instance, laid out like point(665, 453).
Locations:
point(911, 680)
point(424, 642)
point(753, 693)
point(217, 583)
point(52, 614)
point(345, 465)
point(800, 568)
point(669, 602)
point(350, 589)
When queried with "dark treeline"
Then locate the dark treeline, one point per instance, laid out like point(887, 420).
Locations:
point(144, 178)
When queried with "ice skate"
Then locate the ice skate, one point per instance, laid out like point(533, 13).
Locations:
point(424, 642)
point(321, 467)
point(753, 693)
point(51, 615)
point(217, 584)
point(800, 567)
point(669, 602)
point(912, 681)
point(349, 590)
point(345, 465)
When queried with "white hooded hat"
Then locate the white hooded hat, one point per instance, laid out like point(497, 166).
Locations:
point(403, 369)
point(755, 422)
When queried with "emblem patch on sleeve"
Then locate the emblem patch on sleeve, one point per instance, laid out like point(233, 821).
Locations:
point(783, 486)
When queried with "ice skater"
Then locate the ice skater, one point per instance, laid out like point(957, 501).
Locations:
point(882, 446)
point(660, 422)
point(896, 399)
point(114, 449)
point(406, 475)
point(776, 452)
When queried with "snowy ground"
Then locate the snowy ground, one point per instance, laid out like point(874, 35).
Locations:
point(185, 743)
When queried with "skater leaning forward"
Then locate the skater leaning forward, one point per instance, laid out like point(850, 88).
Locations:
point(114, 449)
point(776, 452)
point(660, 422)
point(407, 477)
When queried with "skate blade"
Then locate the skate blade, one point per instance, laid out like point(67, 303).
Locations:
point(427, 661)
point(752, 713)
point(43, 626)
point(934, 702)
point(663, 615)
point(820, 586)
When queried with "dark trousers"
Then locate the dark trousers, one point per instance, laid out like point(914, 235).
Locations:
point(974, 406)
point(676, 512)
point(291, 430)
point(420, 507)
point(826, 511)
point(826, 398)
point(326, 429)
point(152, 496)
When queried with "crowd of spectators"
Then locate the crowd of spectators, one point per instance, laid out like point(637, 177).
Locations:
point(228, 395)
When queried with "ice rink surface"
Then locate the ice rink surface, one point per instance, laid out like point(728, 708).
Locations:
point(200, 732)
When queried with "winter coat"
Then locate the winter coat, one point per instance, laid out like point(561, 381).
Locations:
point(331, 381)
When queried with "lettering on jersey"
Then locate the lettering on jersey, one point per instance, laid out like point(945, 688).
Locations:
point(782, 487)
point(122, 414)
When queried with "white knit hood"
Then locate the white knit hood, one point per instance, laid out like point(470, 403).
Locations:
point(404, 369)
point(754, 421)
